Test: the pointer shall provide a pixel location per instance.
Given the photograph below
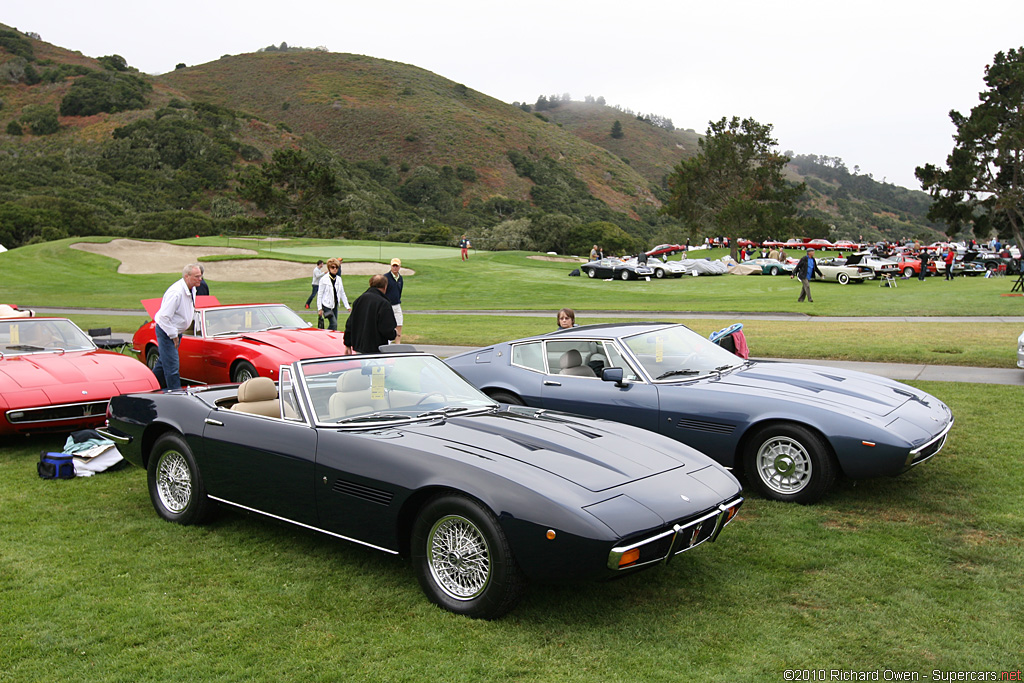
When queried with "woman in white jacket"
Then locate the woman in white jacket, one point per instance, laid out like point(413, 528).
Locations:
point(331, 292)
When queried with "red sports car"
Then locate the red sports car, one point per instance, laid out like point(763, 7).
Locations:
point(53, 378)
point(236, 343)
point(666, 250)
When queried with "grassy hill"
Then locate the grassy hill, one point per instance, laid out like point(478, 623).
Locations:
point(367, 109)
point(312, 143)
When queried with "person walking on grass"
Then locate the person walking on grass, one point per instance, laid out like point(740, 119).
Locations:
point(331, 295)
point(318, 272)
point(804, 271)
point(396, 283)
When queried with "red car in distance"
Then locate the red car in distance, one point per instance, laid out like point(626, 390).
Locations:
point(233, 343)
point(666, 250)
point(53, 378)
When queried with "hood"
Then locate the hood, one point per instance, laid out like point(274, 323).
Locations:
point(300, 343)
point(76, 376)
point(589, 454)
point(844, 390)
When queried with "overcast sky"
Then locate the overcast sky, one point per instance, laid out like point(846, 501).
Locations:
point(871, 82)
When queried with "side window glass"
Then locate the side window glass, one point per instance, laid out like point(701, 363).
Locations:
point(615, 360)
point(528, 356)
point(286, 394)
point(571, 357)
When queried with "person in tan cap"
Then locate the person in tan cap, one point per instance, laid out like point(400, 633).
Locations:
point(394, 294)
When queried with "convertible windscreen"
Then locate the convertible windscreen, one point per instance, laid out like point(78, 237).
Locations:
point(675, 353)
point(242, 319)
point(41, 335)
point(357, 390)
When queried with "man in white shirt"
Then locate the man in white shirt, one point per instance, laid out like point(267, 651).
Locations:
point(177, 310)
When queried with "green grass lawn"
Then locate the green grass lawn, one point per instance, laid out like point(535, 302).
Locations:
point(513, 281)
point(914, 573)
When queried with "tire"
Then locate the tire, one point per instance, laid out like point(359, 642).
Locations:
point(242, 371)
point(152, 356)
point(175, 485)
point(463, 560)
point(590, 272)
point(774, 270)
point(505, 397)
point(908, 272)
point(624, 275)
point(789, 463)
point(843, 278)
point(659, 273)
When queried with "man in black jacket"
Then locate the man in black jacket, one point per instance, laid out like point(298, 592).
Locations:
point(805, 270)
point(371, 324)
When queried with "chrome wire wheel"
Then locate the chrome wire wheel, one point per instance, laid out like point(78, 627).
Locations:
point(173, 481)
point(784, 465)
point(459, 559)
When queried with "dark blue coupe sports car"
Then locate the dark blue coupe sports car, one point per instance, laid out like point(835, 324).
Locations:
point(789, 428)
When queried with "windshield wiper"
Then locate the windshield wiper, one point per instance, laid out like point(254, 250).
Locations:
point(674, 373)
point(448, 410)
point(373, 417)
point(26, 347)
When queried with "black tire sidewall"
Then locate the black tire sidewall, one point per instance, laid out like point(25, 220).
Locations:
point(152, 353)
point(198, 505)
point(243, 365)
point(505, 397)
point(505, 583)
point(823, 467)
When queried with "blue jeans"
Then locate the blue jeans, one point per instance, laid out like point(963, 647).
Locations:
point(331, 318)
point(316, 288)
point(166, 368)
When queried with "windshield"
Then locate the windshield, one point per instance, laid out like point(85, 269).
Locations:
point(41, 335)
point(674, 353)
point(358, 390)
point(243, 319)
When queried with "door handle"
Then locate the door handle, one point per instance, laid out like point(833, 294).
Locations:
point(215, 423)
point(552, 383)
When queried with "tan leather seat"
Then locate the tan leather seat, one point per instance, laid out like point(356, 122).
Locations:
point(258, 396)
point(353, 396)
point(571, 363)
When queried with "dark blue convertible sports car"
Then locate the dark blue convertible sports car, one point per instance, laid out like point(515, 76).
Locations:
point(398, 453)
point(789, 428)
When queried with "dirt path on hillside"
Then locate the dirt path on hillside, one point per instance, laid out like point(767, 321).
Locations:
point(146, 258)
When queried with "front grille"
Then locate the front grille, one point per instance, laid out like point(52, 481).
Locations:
point(922, 453)
point(51, 414)
point(678, 538)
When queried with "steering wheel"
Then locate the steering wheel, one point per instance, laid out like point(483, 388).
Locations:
point(433, 393)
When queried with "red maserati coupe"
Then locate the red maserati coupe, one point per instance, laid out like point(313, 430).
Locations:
point(233, 343)
point(53, 377)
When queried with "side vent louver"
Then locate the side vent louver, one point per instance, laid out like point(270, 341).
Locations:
point(705, 426)
point(350, 488)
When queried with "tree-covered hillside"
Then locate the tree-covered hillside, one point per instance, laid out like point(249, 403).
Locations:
point(308, 142)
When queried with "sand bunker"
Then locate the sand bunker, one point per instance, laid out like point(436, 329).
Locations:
point(146, 258)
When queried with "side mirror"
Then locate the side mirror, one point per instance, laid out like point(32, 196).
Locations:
point(612, 375)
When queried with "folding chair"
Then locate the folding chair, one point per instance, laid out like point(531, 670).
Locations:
point(101, 337)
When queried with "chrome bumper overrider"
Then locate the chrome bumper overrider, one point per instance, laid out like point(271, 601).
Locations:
point(927, 450)
point(663, 546)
